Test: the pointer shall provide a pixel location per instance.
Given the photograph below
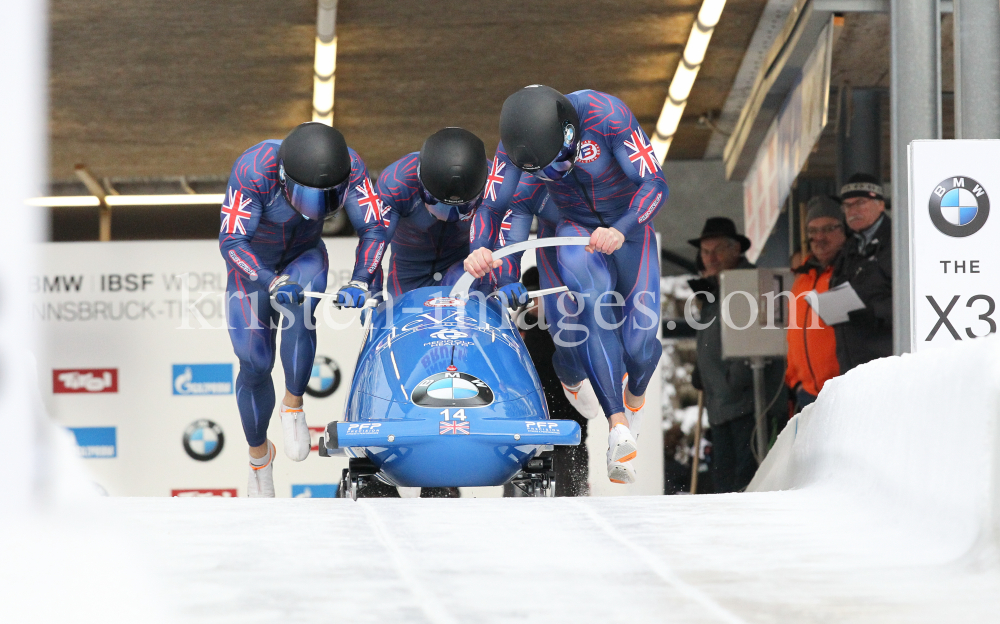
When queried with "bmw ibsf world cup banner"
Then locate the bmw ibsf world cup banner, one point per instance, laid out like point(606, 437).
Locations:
point(955, 241)
point(139, 367)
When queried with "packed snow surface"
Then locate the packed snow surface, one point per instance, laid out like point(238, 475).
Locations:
point(878, 504)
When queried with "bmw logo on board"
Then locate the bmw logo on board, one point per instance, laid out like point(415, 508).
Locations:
point(452, 389)
point(959, 206)
point(325, 378)
point(203, 440)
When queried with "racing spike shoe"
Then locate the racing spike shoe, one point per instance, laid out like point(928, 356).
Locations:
point(622, 449)
point(261, 483)
point(583, 399)
point(632, 414)
point(296, 432)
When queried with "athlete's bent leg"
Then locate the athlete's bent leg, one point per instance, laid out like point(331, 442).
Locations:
point(593, 279)
point(638, 265)
point(249, 314)
point(576, 385)
point(298, 349)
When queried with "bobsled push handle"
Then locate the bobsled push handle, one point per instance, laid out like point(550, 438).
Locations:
point(461, 288)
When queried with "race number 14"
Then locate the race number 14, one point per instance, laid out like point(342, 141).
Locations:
point(942, 321)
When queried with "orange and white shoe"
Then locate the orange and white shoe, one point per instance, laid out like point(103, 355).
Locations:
point(622, 449)
point(296, 432)
point(261, 484)
point(632, 414)
point(583, 399)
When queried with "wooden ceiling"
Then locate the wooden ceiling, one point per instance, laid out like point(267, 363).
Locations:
point(151, 88)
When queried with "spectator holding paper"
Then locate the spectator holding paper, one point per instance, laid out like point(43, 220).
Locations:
point(865, 264)
point(812, 346)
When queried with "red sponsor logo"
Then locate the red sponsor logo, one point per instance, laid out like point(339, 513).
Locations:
point(226, 493)
point(589, 152)
point(444, 302)
point(85, 380)
point(314, 434)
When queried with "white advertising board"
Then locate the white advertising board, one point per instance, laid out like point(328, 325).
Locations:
point(134, 366)
point(131, 363)
point(954, 234)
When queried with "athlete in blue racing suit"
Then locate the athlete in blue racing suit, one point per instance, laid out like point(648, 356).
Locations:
point(279, 192)
point(430, 236)
point(602, 174)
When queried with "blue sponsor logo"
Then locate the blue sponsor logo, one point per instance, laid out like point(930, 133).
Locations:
point(202, 379)
point(321, 490)
point(96, 442)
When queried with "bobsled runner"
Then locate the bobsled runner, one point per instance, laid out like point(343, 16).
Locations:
point(444, 394)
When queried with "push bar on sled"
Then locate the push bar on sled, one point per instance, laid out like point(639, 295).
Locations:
point(461, 288)
point(411, 431)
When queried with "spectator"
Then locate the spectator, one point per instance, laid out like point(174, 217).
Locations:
point(812, 346)
point(865, 262)
point(727, 384)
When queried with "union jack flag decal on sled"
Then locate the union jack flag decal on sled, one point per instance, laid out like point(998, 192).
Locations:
point(454, 427)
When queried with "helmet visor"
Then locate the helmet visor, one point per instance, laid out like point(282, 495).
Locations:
point(449, 211)
point(313, 203)
point(563, 162)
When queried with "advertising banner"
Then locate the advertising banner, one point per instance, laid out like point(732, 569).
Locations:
point(142, 371)
point(787, 146)
point(955, 258)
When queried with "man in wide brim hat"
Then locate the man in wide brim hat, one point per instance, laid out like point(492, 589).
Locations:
point(720, 227)
point(727, 384)
point(715, 245)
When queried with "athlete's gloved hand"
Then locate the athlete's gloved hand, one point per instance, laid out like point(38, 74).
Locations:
point(516, 295)
point(480, 262)
point(605, 240)
point(286, 292)
point(352, 295)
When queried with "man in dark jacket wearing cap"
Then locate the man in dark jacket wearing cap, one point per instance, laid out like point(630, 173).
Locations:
point(866, 263)
point(727, 384)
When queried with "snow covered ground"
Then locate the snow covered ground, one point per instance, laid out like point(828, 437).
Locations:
point(878, 504)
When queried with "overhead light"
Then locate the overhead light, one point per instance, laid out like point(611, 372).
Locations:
point(73, 201)
point(83, 201)
point(324, 78)
point(684, 77)
point(325, 64)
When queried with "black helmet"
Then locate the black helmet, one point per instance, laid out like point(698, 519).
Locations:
point(452, 170)
point(540, 130)
point(314, 167)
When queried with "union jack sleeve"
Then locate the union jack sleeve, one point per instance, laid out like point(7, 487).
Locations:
point(369, 216)
point(635, 155)
point(253, 174)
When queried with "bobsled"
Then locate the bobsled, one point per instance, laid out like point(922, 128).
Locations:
point(445, 394)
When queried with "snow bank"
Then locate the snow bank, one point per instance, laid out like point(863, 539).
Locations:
point(915, 437)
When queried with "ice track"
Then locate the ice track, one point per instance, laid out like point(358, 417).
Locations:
point(878, 504)
point(765, 557)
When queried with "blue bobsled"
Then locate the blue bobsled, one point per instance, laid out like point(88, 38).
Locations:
point(445, 394)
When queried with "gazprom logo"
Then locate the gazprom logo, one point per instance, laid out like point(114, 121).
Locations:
point(203, 379)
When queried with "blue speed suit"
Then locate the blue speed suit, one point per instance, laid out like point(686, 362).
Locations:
point(531, 200)
point(262, 238)
point(616, 181)
point(426, 251)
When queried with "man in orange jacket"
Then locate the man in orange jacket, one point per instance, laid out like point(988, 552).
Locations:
point(812, 347)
